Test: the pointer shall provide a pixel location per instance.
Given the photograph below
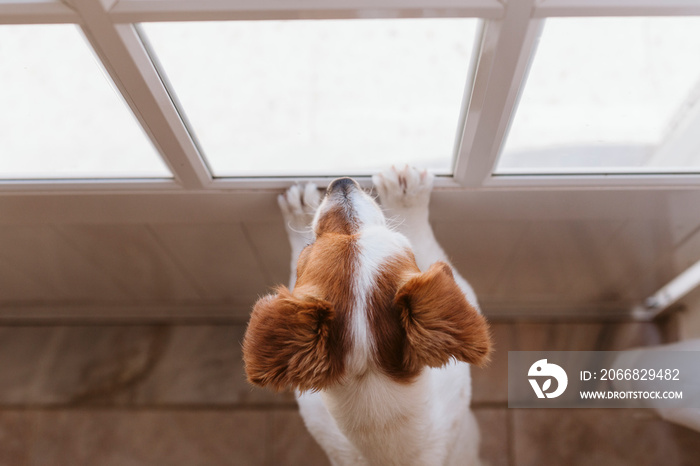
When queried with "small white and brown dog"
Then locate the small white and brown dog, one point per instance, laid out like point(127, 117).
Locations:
point(376, 332)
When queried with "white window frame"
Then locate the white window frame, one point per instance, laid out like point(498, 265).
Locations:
point(510, 33)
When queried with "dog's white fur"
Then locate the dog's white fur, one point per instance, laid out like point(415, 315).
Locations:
point(432, 423)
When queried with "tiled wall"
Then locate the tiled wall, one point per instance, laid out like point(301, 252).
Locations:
point(176, 395)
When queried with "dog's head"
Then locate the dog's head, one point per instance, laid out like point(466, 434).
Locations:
point(360, 304)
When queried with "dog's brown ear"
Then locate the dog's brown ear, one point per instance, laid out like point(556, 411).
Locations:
point(440, 323)
point(286, 344)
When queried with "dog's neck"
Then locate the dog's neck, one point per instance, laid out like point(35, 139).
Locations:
point(389, 422)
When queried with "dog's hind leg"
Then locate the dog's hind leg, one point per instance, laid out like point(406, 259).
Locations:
point(405, 197)
point(298, 205)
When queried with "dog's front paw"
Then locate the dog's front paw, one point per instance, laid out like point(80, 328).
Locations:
point(404, 189)
point(298, 205)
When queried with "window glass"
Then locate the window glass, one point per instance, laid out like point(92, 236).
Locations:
point(271, 98)
point(60, 116)
point(609, 95)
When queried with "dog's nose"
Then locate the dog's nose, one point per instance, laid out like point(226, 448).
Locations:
point(342, 184)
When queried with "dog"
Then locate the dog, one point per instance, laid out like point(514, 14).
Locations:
point(376, 332)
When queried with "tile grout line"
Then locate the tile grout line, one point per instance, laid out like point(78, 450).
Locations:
point(263, 407)
point(232, 407)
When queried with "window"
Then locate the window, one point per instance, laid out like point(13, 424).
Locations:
point(255, 94)
point(59, 116)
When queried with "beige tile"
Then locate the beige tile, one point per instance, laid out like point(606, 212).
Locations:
point(582, 336)
point(203, 364)
point(688, 443)
point(482, 251)
point(493, 426)
point(133, 258)
point(217, 257)
point(23, 350)
point(21, 284)
point(41, 255)
point(272, 248)
point(122, 365)
point(134, 438)
point(683, 220)
point(671, 326)
point(68, 365)
point(290, 441)
point(687, 253)
point(16, 430)
point(643, 248)
point(93, 364)
point(600, 437)
point(563, 261)
point(490, 383)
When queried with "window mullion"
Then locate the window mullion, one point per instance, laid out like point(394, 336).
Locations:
point(568, 8)
point(507, 47)
point(127, 62)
